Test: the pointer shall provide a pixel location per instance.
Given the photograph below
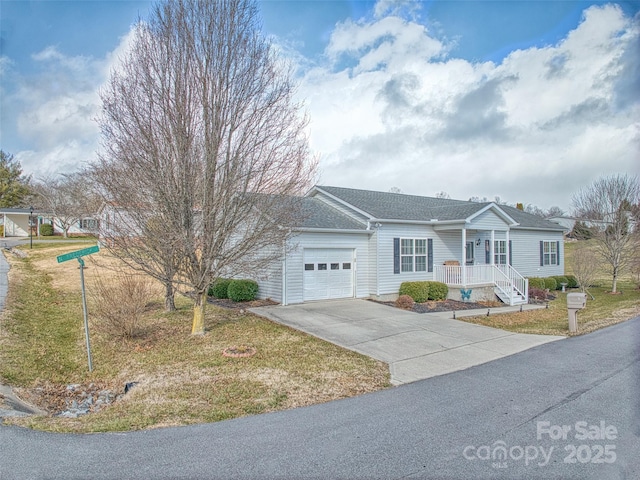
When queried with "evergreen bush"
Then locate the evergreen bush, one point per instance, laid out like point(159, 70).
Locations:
point(550, 283)
point(572, 281)
point(560, 279)
point(242, 290)
point(218, 289)
point(46, 230)
point(419, 291)
point(438, 291)
point(536, 282)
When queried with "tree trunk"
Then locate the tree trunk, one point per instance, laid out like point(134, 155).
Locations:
point(197, 327)
point(169, 298)
point(614, 285)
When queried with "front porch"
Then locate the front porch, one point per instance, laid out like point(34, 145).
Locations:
point(511, 287)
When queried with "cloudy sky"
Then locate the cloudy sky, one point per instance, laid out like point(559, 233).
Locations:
point(525, 100)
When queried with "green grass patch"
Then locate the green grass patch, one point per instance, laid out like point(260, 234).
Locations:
point(602, 310)
point(42, 337)
point(182, 379)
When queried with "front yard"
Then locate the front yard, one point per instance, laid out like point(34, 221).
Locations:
point(176, 378)
point(603, 310)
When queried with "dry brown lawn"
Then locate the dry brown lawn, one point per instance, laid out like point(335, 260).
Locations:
point(181, 379)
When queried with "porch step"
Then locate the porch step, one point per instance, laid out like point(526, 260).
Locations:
point(516, 299)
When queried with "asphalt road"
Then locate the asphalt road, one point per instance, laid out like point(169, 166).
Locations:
point(567, 409)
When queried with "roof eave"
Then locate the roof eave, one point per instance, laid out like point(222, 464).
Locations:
point(552, 229)
point(416, 222)
point(342, 202)
point(330, 230)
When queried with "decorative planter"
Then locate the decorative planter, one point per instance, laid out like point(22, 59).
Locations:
point(239, 351)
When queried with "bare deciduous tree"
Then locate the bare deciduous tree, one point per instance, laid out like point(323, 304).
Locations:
point(203, 144)
point(610, 202)
point(585, 264)
point(68, 197)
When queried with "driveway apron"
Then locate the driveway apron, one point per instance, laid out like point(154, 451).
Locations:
point(415, 345)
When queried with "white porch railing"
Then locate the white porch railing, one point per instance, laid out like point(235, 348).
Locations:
point(505, 278)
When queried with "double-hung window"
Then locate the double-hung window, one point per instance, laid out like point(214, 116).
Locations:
point(500, 252)
point(413, 255)
point(549, 253)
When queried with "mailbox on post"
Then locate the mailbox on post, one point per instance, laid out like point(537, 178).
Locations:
point(575, 302)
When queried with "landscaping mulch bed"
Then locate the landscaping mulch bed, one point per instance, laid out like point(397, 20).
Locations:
point(227, 303)
point(442, 306)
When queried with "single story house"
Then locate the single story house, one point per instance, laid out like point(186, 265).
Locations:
point(364, 244)
point(16, 223)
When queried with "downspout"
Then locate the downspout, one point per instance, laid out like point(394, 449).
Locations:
point(284, 273)
point(378, 259)
point(509, 268)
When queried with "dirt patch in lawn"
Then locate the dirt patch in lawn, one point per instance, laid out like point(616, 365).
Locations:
point(230, 304)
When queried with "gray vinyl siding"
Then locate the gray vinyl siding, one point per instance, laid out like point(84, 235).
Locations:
point(525, 246)
point(295, 263)
point(270, 282)
point(488, 221)
point(373, 265)
point(448, 247)
point(269, 278)
point(390, 282)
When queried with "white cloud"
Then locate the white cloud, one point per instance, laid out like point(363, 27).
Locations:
point(536, 127)
point(56, 109)
point(391, 108)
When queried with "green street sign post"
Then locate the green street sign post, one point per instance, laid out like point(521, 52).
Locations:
point(70, 256)
point(78, 253)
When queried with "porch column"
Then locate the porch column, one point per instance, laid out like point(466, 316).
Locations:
point(508, 247)
point(492, 260)
point(463, 263)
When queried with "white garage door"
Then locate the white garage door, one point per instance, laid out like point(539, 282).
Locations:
point(328, 273)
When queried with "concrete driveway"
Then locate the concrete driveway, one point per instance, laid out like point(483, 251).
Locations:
point(416, 346)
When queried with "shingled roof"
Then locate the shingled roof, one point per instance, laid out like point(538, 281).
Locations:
point(397, 206)
point(317, 214)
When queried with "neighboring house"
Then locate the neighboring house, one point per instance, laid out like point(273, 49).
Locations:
point(16, 223)
point(569, 222)
point(359, 243)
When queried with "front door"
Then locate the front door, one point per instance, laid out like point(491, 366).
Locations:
point(469, 254)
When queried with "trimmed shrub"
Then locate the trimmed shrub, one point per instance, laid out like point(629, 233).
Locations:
point(537, 293)
point(119, 303)
point(572, 281)
point(218, 288)
point(536, 282)
point(405, 301)
point(560, 279)
point(438, 291)
point(242, 290)
point(550, 283)
point(46, 230)
point(419, 291)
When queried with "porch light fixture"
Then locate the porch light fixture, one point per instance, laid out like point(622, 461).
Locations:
point(477, 242)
